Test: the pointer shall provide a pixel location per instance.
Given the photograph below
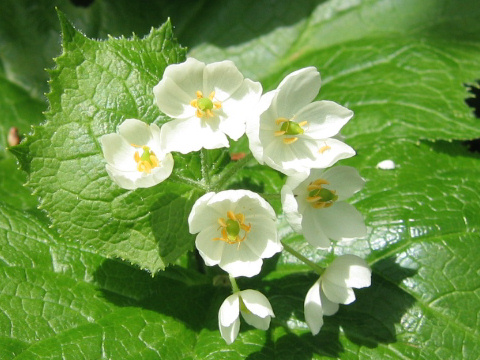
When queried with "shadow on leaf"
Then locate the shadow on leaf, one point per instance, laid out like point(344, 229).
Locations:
point(177, 292)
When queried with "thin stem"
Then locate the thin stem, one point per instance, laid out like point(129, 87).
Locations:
point(235, 287)
point(205, 167)
point(319, 270)
point(225, 176)
point(183, 180)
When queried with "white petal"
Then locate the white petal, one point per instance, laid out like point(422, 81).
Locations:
point(222, 77)
point(325, 118)
point(188, 76)
point(338, 294)
point(345, 180)
point(312, 230)
point(289, 159)
point(172, 100)
point(329, 307)
point(200, 217)
point(118, 152)
point(240, 261)
point(329, 152)
point(341, 221)
point(210, 250)
point(135, 132)
point(262, 238)
point(240, 107)
point(187, 135)
point(229, 310)
point(350, 271)
point(290, 208)
point(255, 321)
point(313, 309)
point(250, 202)
point(257, 121)
point(297, 90)
point(164, 170)
point(230, 333)
point(122, 178)
point(257, 303)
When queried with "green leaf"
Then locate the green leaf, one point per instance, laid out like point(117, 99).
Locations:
point(401, 66)
point(59, 301)
point(95, 87)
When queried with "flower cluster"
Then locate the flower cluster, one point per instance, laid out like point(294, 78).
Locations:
point(236, 229)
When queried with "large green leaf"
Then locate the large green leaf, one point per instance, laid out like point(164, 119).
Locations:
point(59, 301)
point(96, 86)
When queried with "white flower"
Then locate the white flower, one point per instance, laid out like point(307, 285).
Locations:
point(335, 287)
point(236, 230)
point(134, 156)
point(207, 102)
point(294, 134)
point(314, 205)
point(254, 307)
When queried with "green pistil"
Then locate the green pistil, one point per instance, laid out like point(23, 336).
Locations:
point(325, 195)
point(146, 155)
point(291, 128)
point(205, 104)
point(233, 229)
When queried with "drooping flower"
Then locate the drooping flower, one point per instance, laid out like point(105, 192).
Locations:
point(254, 307)
point(207, 102)
point(314, 206)
point(134, 155)
point(293, 134)
point(335, 286)
point(236, 229)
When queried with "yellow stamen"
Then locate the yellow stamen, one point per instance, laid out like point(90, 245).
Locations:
point(318, 196)
point(279, 133)
point(147, 161)
point(231, 228)
point(324, 148)
point(317, 184)
point(205, 105)
point(231, 215)
point(289, 141)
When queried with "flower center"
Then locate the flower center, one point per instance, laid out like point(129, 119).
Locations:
point(290, 129)
point(147, 161)
point(232, 227)
point(320, 197)
point(205, 105)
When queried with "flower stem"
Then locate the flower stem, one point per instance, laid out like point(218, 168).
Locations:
point(226, 175)
point(205, 167)
point(183, 180)
point(319, 270)
point(235, 287)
